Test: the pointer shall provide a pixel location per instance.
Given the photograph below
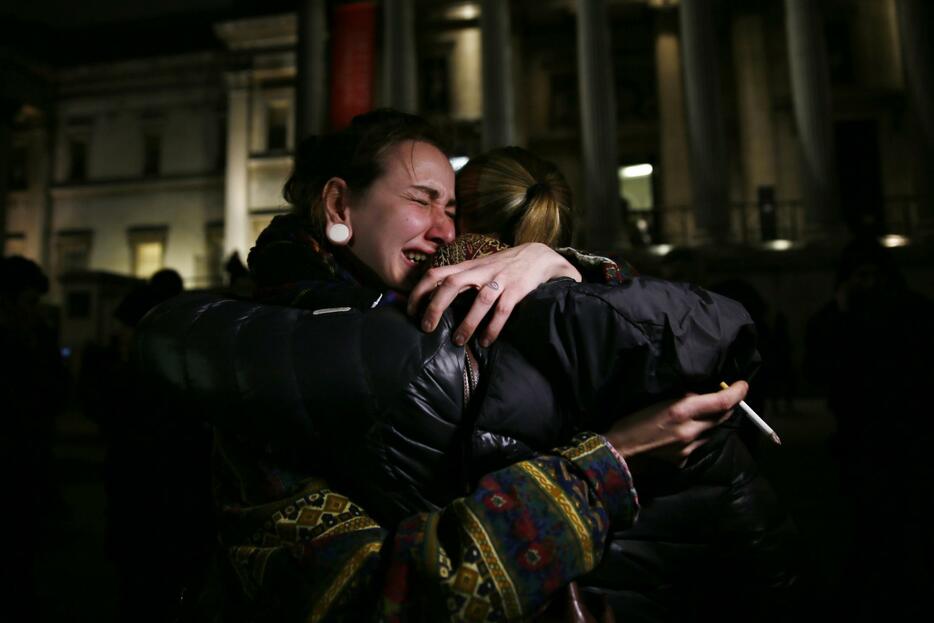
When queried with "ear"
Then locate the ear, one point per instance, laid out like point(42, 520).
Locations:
point(335, 197)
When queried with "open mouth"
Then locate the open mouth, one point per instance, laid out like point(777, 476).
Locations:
point(417, 258)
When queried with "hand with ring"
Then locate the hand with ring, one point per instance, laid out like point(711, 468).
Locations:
point(502, 280)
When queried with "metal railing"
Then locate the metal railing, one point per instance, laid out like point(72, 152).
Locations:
point(753, 224)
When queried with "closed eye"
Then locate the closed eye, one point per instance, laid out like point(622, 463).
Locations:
point(419, 200)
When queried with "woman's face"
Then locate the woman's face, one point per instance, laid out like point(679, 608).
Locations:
point(405, 215)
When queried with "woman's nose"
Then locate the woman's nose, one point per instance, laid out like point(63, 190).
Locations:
point(442, 227)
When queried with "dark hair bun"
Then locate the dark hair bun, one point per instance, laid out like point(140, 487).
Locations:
point(353, 155)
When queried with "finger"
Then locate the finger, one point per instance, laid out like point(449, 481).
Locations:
point(688, 432)
point(427, 285)
point(738, 390)
point(503, 310)
point(442, 298)
point(486, 298)
point(710, 405)
point(676, 454)
point(687, 450)
point(435, 276)
point(691, 447)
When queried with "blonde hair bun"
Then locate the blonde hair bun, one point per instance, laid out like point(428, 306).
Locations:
point(516, 196)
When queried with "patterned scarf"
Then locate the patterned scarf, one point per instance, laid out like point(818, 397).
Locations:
point(467, 247)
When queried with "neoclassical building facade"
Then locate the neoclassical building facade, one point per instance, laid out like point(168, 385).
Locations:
point(691, 124)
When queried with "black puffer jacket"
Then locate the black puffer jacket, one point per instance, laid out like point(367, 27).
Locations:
point(364, 396)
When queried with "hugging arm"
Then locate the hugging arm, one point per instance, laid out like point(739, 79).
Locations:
point(515, 272)
point(612, 350)
point(498, 553)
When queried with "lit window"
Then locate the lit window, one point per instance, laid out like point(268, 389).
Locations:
point(147, 250)
point(147, 259)
point(637, 203)
point(635, 186)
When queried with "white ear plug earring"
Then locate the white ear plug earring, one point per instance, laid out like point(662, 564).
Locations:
point(338, 233)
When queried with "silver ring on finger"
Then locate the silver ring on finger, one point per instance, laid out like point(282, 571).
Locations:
point(493, 285)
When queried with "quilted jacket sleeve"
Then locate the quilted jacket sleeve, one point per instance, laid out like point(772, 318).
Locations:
point(612, 349)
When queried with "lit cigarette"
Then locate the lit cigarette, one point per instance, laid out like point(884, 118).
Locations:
point(758, 421)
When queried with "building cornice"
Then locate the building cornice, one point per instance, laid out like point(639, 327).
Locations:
point(263, 161)
point(104, 188)
point(167, 72)
point(274, 31)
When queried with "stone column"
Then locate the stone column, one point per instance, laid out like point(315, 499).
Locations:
point(916, 30)
point(707, 141)
point(40, 195)
point(499, 122)
point(48, 204)
point(465, 66)
point(810, 89)
point(598, 127)
point(398, 79)
point(236, 208)
point(875, 44)
point(756, 130)
point(677, 221)
point(310, 92)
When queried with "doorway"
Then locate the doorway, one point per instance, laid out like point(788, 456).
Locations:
point(859, 175)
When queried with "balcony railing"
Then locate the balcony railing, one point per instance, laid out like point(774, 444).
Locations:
point(753, 224)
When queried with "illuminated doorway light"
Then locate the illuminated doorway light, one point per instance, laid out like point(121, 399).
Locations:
point(465, 11)
point(778, 245)
point(894, 240)
point(633, 171)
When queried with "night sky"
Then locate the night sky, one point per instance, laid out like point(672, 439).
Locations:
point(64, 32)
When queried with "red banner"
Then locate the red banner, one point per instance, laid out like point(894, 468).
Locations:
point(353, 61)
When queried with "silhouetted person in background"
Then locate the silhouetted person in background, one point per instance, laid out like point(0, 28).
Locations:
point(239, 280)
point(783, 386)
point(32, 385)
point(149, 471)
point(871, 348)
point(684, 264)
point(162, 286)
